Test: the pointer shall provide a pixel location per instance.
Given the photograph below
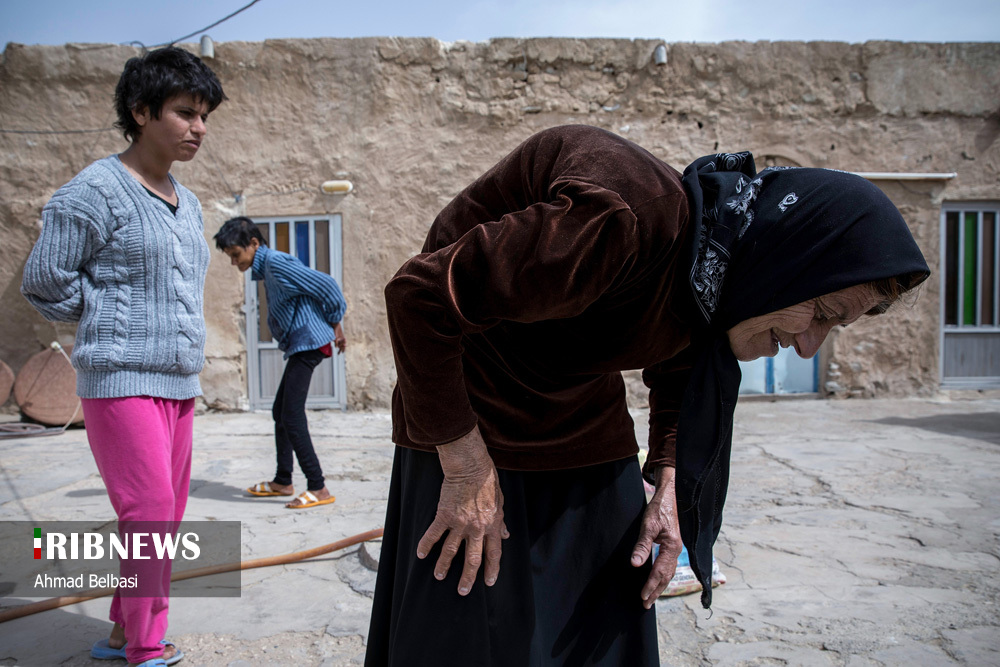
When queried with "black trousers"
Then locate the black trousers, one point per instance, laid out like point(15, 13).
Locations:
point(291, 429)
point(567, 593)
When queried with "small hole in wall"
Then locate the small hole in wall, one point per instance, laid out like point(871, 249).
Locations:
point(833, 147)
point(437, 79)
point(716, 147)
point(670, 112)
point(700, 125)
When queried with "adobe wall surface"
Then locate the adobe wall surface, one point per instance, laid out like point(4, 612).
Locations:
point(412, 121)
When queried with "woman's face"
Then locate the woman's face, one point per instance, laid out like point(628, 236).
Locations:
point(177, 134)
point(803, 326)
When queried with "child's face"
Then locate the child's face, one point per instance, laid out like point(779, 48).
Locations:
point(242, 257)
point(178, 132)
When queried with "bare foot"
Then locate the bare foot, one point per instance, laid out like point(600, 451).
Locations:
point(271, 489)
point(117, 638)
point(168, 652)
point(322, 494)
point(283, 489)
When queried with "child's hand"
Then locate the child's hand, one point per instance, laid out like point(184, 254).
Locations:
point(339, 340)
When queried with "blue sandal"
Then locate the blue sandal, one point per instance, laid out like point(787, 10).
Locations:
point(101, 651)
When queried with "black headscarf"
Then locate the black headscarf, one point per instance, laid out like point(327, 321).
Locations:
point(760, 243)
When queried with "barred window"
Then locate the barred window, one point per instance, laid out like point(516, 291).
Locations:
point(970, 304)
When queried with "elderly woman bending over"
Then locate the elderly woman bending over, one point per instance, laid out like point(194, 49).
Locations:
point(577, 256)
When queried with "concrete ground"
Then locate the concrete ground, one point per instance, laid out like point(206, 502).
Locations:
point(856, 533)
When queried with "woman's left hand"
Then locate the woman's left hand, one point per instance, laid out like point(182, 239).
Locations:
point(659, 525)
point(470, 510)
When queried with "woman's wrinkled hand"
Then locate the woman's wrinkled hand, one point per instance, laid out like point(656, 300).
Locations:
point(470, 509)
point(659, 525)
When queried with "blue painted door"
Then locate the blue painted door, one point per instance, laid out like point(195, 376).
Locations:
point(786, 373)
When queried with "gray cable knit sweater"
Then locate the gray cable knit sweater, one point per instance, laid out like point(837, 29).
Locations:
point(114, 258)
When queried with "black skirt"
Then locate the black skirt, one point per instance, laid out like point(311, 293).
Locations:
point(567, 593)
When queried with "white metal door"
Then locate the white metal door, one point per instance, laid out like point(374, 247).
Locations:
point(316, 242)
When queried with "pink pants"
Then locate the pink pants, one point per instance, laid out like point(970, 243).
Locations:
point(142, 446)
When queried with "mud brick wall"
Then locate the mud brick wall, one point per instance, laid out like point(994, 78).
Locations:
point(411, 121)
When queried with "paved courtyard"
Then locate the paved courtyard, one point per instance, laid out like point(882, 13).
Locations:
point(857, 533)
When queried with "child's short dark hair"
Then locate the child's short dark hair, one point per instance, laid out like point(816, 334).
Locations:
point(238, 232)
point(150, 80)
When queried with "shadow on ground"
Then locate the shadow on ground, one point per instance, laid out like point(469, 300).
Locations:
point(983, 426)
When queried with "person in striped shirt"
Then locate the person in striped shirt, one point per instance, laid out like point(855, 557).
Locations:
point(304, 312)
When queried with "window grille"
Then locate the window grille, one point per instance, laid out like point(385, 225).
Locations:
point(970, 295)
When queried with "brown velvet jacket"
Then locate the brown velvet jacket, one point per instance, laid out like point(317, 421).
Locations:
point(537, 285)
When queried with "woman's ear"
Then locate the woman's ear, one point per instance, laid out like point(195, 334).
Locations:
point(141, 115)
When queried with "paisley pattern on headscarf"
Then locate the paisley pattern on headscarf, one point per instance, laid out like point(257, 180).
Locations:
point(723, 173)
point(763, 242)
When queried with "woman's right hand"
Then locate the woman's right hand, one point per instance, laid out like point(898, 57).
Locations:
point(470, 509)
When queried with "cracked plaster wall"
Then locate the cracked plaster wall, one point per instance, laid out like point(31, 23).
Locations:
point(411, 121)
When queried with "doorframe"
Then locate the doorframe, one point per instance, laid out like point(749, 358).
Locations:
point(251, 311)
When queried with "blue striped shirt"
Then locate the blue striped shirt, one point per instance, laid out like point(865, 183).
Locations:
point(302, 304)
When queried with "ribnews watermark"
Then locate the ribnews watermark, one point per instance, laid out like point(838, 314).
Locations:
point(138, 558)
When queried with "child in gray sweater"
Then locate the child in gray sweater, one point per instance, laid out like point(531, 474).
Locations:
point(122, 252)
